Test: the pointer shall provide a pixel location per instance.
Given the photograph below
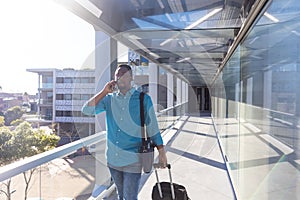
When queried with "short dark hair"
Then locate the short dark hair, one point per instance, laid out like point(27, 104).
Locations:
point(126, 67)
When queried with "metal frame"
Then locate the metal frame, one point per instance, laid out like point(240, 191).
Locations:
point(21, 166)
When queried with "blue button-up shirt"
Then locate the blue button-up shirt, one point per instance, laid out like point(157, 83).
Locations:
point(123, 125)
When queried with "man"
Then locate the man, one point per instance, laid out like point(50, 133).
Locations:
point(124, 131)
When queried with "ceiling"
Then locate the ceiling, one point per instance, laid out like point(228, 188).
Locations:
point(189, 38)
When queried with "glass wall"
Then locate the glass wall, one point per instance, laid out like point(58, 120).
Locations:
point(256, 106)
point(70, 177)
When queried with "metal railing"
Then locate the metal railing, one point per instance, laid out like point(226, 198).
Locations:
point(21, 166)
point(16, 168)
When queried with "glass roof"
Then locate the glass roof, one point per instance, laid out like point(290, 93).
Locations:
point(189, 37)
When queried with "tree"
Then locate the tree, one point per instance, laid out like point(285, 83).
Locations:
point(7, 154)
point(29, 143)
point(44, 141)
point(12, 114)
point(6, 147)
point(16, 122)
point(1, 121)
point(24, 140)
point(21, 143)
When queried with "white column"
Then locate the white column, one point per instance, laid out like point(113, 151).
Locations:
point(153, 80)
point(90, 129)
point(241, 90)
point(105, 58)
point(183, 92)
point(267, 102)
point(54, 96)
point(237, 100)
point(249, 90)
point(179, 91)
point(186, 92)
point(39, 96)
point(170, 88)
point(237, 92)
point(105, 61)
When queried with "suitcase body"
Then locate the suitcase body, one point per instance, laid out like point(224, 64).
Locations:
point(180, 191)
point(168, 190)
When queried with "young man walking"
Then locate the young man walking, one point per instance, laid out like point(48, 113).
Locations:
point(124, 130)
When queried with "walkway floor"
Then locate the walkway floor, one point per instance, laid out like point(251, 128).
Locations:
point(192, 150)
point(196, 161)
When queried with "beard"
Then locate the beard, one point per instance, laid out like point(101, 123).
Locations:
point(123, 85)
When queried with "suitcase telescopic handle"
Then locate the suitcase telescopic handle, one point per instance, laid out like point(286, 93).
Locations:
point(157, 165)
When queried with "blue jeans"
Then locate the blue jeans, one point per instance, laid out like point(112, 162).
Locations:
point(127, 181)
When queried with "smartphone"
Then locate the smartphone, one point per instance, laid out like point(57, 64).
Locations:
point(114, 88)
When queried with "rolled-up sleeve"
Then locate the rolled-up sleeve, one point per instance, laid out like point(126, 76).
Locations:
point(93, 110)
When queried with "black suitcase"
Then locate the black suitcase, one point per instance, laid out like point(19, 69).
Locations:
point(168, 190)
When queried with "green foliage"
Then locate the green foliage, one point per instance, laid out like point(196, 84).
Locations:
point(5, 135)
point(1, 121)
point(12, 114)
point(24, 142)
point(6, 146)
point(44, 141)
point(16, 122)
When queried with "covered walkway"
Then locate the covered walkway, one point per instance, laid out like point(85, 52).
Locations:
point(196, 161)
point(238, 60)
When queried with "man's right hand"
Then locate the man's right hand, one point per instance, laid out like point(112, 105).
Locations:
point(109, 87)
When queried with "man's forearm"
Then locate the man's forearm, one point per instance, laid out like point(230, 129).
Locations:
point(95, 99)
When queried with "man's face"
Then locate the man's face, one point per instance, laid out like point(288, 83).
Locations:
point(123, 77)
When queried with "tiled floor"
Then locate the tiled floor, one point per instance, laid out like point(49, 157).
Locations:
point(196, 161)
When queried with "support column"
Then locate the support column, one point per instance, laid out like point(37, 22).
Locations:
point(170, 87)
point(39, 96)
point(53, 96)
point(186, 92)
point(185, 97)
point(249, 91)
point(105, 65)
point(183, 91)
point(267, 91)
point(153, 80)
point(179, 91)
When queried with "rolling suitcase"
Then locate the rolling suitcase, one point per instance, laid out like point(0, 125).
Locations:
point(168, 190)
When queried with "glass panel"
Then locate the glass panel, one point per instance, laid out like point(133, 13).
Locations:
point(227, 105)
point(256, 105)
point(70, 177)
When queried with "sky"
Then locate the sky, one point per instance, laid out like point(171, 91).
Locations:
point(40, 34)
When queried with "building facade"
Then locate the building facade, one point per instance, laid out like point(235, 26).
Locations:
point(61, 94)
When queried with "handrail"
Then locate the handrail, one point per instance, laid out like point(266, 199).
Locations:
point(258, 6)
point(168, 109)
point(24, 165)
point(21, 166)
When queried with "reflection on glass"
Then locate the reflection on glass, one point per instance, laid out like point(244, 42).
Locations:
point(256, 107)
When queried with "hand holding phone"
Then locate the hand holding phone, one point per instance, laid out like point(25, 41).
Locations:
point(112, 86)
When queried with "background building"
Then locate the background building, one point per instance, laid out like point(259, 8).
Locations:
point(61, 94)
